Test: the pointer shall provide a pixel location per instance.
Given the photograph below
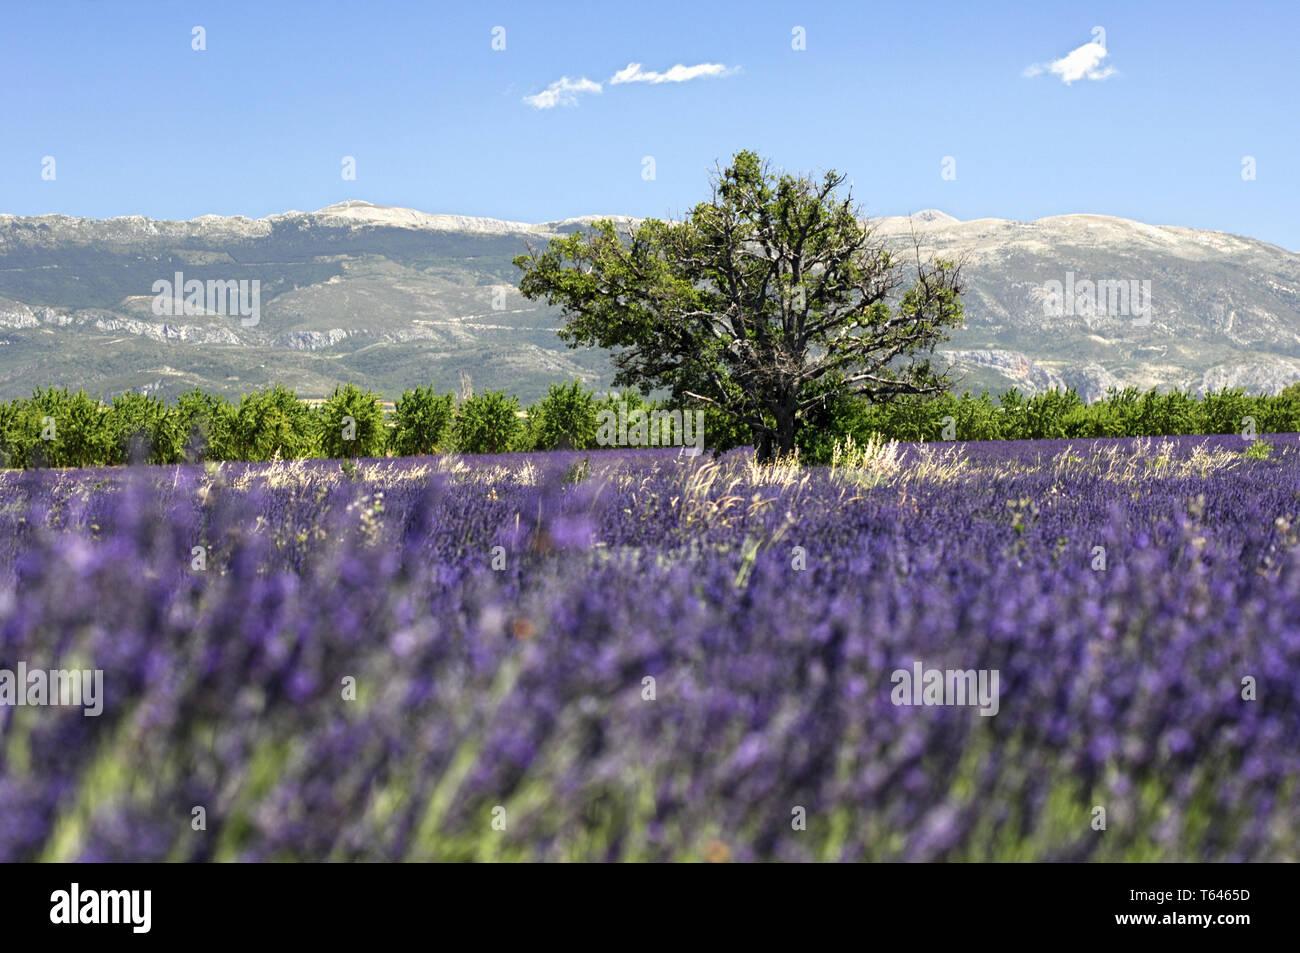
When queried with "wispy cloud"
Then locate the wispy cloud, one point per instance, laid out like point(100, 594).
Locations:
point(1082, 63)
point(562, 92)
point(635, 73)
point(565, 91)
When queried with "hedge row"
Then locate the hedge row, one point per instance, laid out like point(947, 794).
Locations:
point(1056, 414)
point(56, 427)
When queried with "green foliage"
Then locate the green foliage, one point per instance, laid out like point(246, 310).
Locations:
point(143, 429)
point(272, 423)
point(664, 423)
point(722, 431)
point(840, 416)
point(18, 431)
point(207, 424)
point(753, 303)
point(352, 424)
point(488, 423)
point(1259, 450)
point(62, 429)
point(1056, 414)
point(565, 419)
point(1280, 414)
point(421, 422)
point(56, 427)
point(628, 397)
point(13, 450)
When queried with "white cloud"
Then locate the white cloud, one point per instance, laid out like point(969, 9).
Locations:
point(634, 73)
point(1082, 63)
point(562, 92)
point(565, 91)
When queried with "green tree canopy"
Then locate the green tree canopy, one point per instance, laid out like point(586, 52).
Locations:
point(274, 422)
point(488, 423)
point(565, 419)
point(352, 424)
point(206, 423)
point(143, 429)
point(421, 421)
point(766, 301)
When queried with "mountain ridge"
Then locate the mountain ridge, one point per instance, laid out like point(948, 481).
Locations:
point(411, 217)
point(390, 297)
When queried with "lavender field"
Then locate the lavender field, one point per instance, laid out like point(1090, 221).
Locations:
point(637, 655)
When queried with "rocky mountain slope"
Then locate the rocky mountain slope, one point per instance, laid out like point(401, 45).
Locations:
point(390, 298)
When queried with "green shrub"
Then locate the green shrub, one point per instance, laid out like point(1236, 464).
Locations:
point(17, 433)
point(62, 429)
point(55, 427)
point(421, 422)
point(142, 429)
point(352, 424)
point(274, 422)
point(207, 425)
point(565, 419)
point(829, 423)
point(488, 423)
point(1225, 411)
point(1259, 450)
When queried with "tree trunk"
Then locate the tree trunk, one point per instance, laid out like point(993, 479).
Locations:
point(785, 427)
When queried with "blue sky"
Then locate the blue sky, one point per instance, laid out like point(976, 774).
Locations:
point(138, 122)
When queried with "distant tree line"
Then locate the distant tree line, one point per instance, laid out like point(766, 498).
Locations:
point(62, 428)
point(1054, 414)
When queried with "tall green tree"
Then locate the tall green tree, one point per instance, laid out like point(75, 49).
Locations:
point(274, 422)
point(352, 424)
point(488, 423)
point(764, 302)
point(65, 429)
point(565, 419)
point(421, 421)
point(207, 426)
point(143, 429)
